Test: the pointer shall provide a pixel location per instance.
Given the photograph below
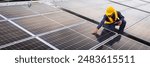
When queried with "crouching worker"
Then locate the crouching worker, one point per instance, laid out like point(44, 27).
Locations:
point(111, 19)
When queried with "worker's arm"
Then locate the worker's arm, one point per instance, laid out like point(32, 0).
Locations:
point(121, 17)
point(100, 25)
point(102, 22)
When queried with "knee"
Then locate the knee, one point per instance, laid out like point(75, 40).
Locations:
point(123, 22)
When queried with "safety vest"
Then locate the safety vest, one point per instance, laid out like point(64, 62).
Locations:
point(111, 21)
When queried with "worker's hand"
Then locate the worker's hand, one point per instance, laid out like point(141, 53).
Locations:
point(95, 31)
point(119, 23)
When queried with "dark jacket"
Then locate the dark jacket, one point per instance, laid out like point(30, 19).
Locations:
point(105, 18)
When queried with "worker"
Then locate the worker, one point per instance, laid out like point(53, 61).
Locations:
point(111, 19)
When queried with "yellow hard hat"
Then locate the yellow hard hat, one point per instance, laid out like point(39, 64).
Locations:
point(110, 10)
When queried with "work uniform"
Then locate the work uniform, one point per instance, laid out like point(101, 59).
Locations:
point(111, 22)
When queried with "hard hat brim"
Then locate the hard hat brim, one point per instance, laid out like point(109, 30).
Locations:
point(109, 13)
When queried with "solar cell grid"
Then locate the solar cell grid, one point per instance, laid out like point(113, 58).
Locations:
point(10, 33)
point(42, 8)
point(133, 3)
point(125, 43)
point(15, 11)
point(70, 39)
point(136, 47)
point(38, 24)
point(72, 42)
point(79, 44)
point(141, 29)
point(145, 7)
point(32, 44)
point(132, 17)
point(104, 47)
point(64, 18)
point(144, 48)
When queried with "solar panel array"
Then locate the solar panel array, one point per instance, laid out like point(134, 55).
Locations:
point(135, 15)
point(42, 27)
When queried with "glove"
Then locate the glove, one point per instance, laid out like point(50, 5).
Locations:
point(119, 23)
point(95, 32)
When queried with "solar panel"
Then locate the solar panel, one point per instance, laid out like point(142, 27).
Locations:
point(144, 47)
point(116, 6)
point(15, 11)
point(95, 8)
point(134, 3)
point(10, 33)
point(42, 8)
point(86, 30)
point(141, 29)
point(146, 1)
point(71, 39)
point(63, 40)
point(144, 7)
point(76, 37)
point(124, 43)
point(32, 44)
point(104, 47)
point(82, 44)
point(132, 16)
point(135, 18)
point(38, 24)
point(64, 18)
